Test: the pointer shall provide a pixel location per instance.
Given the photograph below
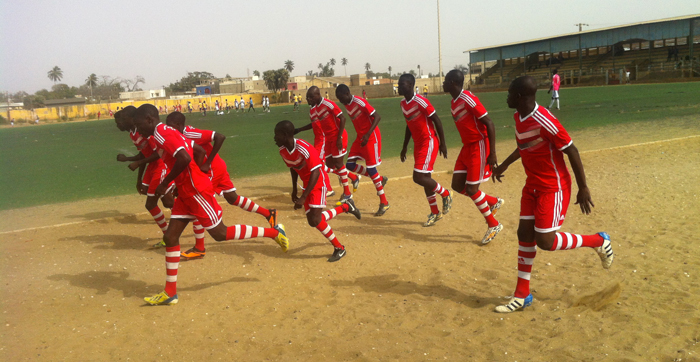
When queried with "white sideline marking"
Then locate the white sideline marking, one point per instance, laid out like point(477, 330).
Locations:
point(366, 183)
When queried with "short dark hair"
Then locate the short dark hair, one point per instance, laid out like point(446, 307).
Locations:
point(146, 110)
point(455, 76)
point(286, 127)
point(175, 117)
point(342, 89)
point(408, 77)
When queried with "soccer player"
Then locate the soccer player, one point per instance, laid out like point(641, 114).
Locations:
point(146, 183)
point(478, 154)
point(296, 102)
point(330, 137)
point(304, 162)
point(235, 104)
point(425, 90)
point(542, 143)
point(195, 199)
point(556, 81)
point(367, 145)
point(251, 105)
point(422, 122)
point(215, 168)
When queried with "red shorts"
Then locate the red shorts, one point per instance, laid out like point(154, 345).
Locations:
point(316, 198)
point(202, 207)
point(331, 147)
point(371, 152)
point(425, 155)
point(548, 209)
point(221, 181)
point(472, 161)
point(155, 174)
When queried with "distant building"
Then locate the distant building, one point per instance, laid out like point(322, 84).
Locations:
point(145, 94)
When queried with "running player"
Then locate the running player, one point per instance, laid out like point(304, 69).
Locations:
point(251, 105)
point(296, 102)
point(556, 82)
point(422, 122)
point(330, 137)
point(304, 162)
point(367, 145)
point(146, 183)
point(478, 155)
point(195, 199)
point(542, 143)
point(215, 168)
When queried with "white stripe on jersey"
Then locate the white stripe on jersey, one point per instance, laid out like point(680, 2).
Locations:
point(467, 99)
point(158, 137)
point(358, 101)
point(422, 102)
point(547, 124)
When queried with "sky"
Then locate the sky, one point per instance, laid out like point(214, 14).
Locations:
point(163, 40)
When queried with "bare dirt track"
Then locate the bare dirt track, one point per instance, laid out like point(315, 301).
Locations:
point(403, 292)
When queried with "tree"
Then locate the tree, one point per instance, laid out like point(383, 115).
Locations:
point(256, 73)
point(276, 79)
point(191, 80)
point(332, 62)
point(289, 66)
point(368, 66)
point(462, 67)
point(390, 71)
point(344, 63)
point(310, 73)
point(320, 66)
point(133, 85)
point(55, 74)
point(326, 70)
point(91, 82)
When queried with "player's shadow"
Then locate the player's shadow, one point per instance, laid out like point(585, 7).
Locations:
point(377, 226)
point(115, 242)
point(268, 189)
point(389, 283)
point(104, 281)
point(248, 249)
point(120, 217)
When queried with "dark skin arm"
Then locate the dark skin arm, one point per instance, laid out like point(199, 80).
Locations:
point(218, 142)
point(199, 155)
point(136, 164)
point(583, 198)
point(492, 160)
point(313, 179)
point(139, 177)
point(295, 178)
point(341, 128)
point(441, 134)
point(406, 138)
point(375, 122)
point(123, 158)
point(182, 160)
point(500, 169)
point(301, 129)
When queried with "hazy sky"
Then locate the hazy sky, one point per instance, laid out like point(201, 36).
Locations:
point(162, 40)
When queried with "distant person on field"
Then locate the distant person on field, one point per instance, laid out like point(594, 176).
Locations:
point(627, 76)
point(98, 116)
point(364, 94)
point(235, 104)
point(250, 102)
point(556, 81)
point(542, 143)
point(425, 90)
point(12, 122)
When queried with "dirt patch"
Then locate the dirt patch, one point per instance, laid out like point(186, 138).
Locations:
point(403, 292)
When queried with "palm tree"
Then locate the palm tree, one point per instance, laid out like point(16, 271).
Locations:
point(256, 73)
point(320, 66)
point(289, 66)
point(390, 71)
point(368, 66)
point(91, 82)
point(55, 74)
point(344, 63)
point(332, 62)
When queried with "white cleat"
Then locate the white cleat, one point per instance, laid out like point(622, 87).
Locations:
point(605, 251)
point(497, 206)
point(491, 233)
point(514, 304)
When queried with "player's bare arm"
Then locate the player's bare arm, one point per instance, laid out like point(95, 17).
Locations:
point(492, 160)
point(375, 122)
point(182, 160)
point(218, 142)
point(441, 134)
point(406, 138)
point(124, 158)
point(341, 128)
point(313, 179)
point(140, 187)
point(302, 129)
point(143, 161)
point(583, 198)
point(295, 181)
point(497, 172)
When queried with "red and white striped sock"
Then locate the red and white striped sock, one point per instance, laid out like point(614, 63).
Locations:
point(240, 232)
point(172, 262)
point(343, 173)
point(567, 241)
point(159, 218)
point(198, 235)
point(351, 176)
point(526, 256)
point(479, 199)
point(432, 200)
point(377, 179)
point(326, 230)
point(330, 170)
point(360, 170)
point(330, 214)
point(250, 206)
point(441, 190)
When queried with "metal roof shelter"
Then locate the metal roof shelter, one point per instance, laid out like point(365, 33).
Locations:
point(678, 27)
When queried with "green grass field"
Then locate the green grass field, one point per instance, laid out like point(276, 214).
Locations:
point(72, 161)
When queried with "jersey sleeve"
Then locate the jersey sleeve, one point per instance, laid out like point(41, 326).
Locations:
point(478, 109)
point(369, 109)
point(312, 160)
point(555, 133)
point(199, 136)
point(172, 142)
point(428, 108)
point(334, 109)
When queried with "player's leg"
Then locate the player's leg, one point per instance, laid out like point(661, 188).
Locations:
point(424, 158)
point(229, 191)
point(337, 164)
point(379, 183)
point(428, 184)
point(156, 212)
point(198, 251)
point(553, 99)
point(557, 93)
point(172, 259)
point(352, 166)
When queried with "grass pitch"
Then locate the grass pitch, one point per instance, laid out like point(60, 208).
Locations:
point(72, 161)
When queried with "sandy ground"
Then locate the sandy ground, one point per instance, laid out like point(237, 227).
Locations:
point(74, 275)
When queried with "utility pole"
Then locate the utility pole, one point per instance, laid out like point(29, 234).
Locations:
point(439, 45)
point(580, 26)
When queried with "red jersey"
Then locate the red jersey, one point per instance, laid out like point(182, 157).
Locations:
point(417, 111)
point(361, 112)
point(144, 144)
point(168, 142)
point(304, 159)
point(467, 110)
point(556, 82)
point(204, 138)
point(324, 119)
point(541, 140)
